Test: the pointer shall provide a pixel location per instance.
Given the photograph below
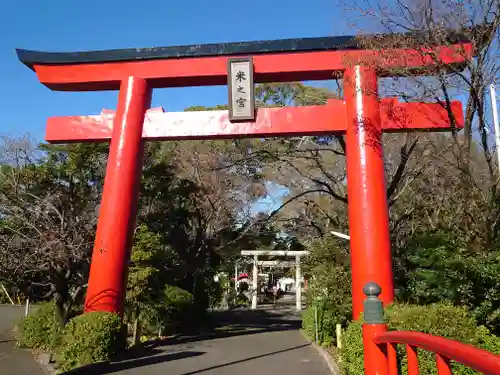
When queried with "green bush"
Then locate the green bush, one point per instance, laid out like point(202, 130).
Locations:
point(216, 293)
point(91, 338)
point(178, 308)
point(437, 319)
point(241, 300)
point(327, 320)
point(329, 289)
point(41, 329)
point(352, 362)
point(177, 298)
point(445, 266)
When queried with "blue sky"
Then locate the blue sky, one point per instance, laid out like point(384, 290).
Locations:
point(62, 25)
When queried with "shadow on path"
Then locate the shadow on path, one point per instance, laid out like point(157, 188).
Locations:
point(109, 368)
point(218, 325)
point(245, 360)
point(224, 324)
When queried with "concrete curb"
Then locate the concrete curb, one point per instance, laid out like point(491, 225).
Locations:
point(332, 365)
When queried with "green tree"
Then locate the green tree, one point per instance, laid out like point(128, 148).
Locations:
point(143, 300)
point(329, 292)
point(48, 205)
point(440, 266)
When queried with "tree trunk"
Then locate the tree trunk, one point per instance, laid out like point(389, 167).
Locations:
point(136, 338)
point(60, 312)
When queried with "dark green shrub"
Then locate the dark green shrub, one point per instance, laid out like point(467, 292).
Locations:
point(329, 289)
point(445, 266)
point(241, 300)
point(327, 320)
point(177, 298)
point(178, 307)
point(91, 338)
point(308, 322)
point(328, 316)
point(438, 319)
point(41, 329)
point(216, 293)
point(352, 350)
point(486, 340)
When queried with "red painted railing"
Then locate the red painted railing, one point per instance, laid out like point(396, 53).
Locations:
point(379, 345)
point(446, 350)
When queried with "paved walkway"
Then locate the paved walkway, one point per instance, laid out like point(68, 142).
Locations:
point(266, 341)
point(14, 360)
point(245, 343)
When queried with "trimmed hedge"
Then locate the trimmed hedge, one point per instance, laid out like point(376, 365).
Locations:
point(91, 338)
point(178, 309)
point(329, 289)
point(437, 319)
point(40, 330)
point(328, 318)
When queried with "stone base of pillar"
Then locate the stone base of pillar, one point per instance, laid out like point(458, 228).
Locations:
point(254, 301)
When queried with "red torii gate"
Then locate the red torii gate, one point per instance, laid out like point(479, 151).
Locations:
point(361, 116)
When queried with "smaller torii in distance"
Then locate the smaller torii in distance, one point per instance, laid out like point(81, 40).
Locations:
point(282, 253)
point(255, 264)
point(361, 116)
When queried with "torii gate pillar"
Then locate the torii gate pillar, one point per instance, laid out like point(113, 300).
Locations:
point(366, 191)
point(255, 281)
point(120, 196)
point(298, 284)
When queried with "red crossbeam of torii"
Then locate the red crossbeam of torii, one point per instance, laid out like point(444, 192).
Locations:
point(361, 116)
point(269, 122)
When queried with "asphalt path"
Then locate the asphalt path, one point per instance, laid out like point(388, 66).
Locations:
point(13, 360)
point(266, 341)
